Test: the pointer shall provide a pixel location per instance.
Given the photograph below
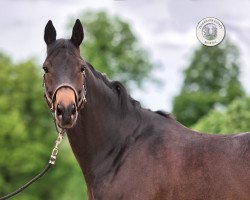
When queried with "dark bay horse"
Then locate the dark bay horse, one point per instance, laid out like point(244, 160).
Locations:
point(131, 153)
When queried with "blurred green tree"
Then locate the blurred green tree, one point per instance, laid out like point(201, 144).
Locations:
point(210, 80)
point(27, 135)
point(234, 119)
point(111, 47)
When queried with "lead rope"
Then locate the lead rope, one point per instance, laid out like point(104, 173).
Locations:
point(54, 153)
point(52, 161)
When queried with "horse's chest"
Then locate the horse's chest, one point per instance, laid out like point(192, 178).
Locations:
point(136, 179)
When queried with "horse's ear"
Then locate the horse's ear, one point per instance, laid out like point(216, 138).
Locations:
point(77, 34)
point(49, 33)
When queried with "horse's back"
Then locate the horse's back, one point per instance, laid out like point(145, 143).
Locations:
point(215, 167)
point(175, 163)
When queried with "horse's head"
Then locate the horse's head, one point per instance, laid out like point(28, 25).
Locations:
point(64, 75)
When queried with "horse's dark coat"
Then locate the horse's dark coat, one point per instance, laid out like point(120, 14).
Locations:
point(128, 152)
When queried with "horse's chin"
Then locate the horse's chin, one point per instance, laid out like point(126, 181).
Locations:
point(66, 126)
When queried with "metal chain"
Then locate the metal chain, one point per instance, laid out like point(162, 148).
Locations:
point(51, 163)
point(55, 149)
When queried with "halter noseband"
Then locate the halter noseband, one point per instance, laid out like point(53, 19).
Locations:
point(79, 104)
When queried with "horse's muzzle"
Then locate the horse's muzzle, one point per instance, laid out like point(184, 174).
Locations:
point(66, 115)
point(65, 107)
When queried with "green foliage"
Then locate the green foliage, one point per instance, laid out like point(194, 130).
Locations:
point(27, 136)
point(27, 131)
point(234, 119)
point(211, 79)
point(111, 47)
point(190, 106)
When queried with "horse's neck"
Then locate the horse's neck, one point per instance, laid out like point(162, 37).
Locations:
point(98, 128)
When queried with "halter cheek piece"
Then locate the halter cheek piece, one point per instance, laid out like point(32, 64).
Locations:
point(79, 101)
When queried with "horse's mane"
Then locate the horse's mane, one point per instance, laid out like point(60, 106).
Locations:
point(114, 85)
point(117, 86)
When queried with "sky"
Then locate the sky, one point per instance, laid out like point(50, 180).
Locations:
point(165, 28)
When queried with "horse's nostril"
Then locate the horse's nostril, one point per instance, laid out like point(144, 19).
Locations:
point(59, 109)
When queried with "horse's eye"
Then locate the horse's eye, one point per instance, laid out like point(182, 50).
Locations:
point(45, 69)
point(82, 68)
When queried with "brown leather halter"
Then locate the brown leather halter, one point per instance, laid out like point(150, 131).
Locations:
point(79, 102)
